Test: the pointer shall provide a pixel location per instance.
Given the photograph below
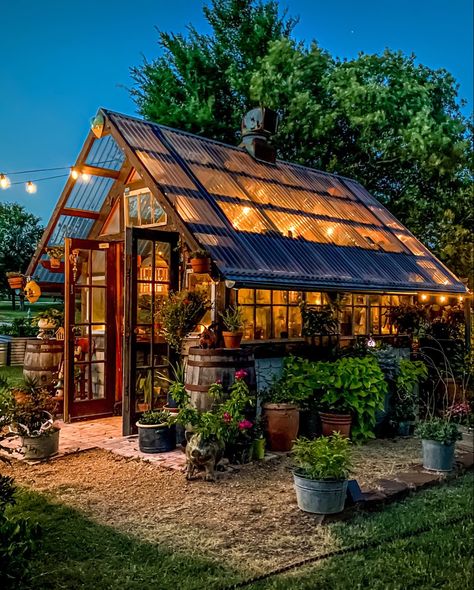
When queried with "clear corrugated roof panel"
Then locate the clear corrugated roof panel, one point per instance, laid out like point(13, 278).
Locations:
point(282, 224)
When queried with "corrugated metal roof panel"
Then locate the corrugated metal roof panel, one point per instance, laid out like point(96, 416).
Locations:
point(282, 224)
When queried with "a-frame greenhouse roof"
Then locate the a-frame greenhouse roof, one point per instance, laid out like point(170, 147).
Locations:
point(275, 225)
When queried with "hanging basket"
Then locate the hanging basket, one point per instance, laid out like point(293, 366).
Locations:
point(15, 282)
point(47, 264)
point(200, 265)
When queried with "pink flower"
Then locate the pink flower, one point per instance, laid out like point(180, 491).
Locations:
point(227, 417)
point(218, 381)
point(245, 424)
point(241, 374)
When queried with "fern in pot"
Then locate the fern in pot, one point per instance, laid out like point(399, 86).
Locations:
point(321, 474)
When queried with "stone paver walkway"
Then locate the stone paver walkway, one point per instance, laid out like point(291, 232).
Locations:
point(105, 433)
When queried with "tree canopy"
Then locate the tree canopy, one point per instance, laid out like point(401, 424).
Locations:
point(391, 123)
point(19, 234)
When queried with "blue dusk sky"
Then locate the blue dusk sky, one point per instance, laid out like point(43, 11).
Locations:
point(60, 61)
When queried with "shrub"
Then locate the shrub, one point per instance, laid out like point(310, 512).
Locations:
point(439, 430)
point(327, 457)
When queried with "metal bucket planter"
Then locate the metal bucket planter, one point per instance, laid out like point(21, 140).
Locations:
point(42, 446)
point(320, 496)
point(404, 428)
point(258, 452)
point(436, 456)
point(156, 438)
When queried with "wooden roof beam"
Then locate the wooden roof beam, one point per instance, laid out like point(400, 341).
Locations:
point(85, 213)
point(97, 171)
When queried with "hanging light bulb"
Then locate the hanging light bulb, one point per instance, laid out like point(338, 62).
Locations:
point(74, 173)
point(4, 181)
point(424, 297)
point(442, 299)
point(31, 187)
point(85, 177)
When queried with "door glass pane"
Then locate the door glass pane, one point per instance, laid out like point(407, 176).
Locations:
point(98, 267)
point(82, 266)
point(81, 305)
point(98, 297)
point(97, 380)
point(144, 307)
point(360, 321)
point(374, 320)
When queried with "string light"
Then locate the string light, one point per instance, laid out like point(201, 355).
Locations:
point(74, 173)
point(442, 299)
point(461, 298)
point(330, 231)
point(4, 181)
point(85, 177)
point(424, 297)
point(31, 187)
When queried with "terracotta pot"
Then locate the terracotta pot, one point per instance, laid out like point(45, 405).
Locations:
point(200, 265)
point(143, 407)
point(331, 423)
point(46, 324)
point(282, 423)
point(15, 282)
point(232, 339)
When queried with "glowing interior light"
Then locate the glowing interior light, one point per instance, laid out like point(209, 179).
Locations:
point(442, 299)
point(291, 232)
point(31, 187)
point(330, 231)
point(74, 173)
point(461, 298)
point(424, 297)
point(85, 177)
point(246, 210)
point(4, 181)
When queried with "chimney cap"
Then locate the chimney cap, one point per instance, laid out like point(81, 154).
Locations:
point(260, 121)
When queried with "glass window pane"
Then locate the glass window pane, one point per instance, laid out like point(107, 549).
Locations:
point(262, 323)
point(374, 320)
point(346, 321)
point(294, 297)
point(314, 298)
point(131, 210)
point(360, 299)
point(280, 297)
point(360, 320)
point(263, 296)
point(280, 321)
point(145, 209)
point(247, 312)
point(245, 296)
point(384, 320)
point(294, 322)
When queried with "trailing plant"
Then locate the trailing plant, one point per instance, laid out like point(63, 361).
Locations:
point(233, 318)
point(179, 314)
point(327, 457)
point(318, 321)
point(353, 385)
point(52, 314)
point(156, 417)
point(200, 254)
point(439, 430)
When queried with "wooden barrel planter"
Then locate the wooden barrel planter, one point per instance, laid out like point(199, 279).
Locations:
point(205, 367)
point(42, 360)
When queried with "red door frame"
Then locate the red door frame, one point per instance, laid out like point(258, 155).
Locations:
point(89, 408)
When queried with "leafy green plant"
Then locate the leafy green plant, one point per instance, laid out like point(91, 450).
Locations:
point(318, 321)
point(387, 359)
point(295, 385)
point(18, 327)
point(405, 401)
point(233, 318)
point(179, 314)
point(176, 389)
point(52, 314)
point(199, 254)
point(327, 457)
point(353, 385)
point(439, 430)
point(31, 412)
point(156, 417)
point(410, 319)
point(55, 252)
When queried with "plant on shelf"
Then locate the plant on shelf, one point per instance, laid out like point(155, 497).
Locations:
point(200, 261)
point(320, 321)
point(233, 320)
point(351, 390)
point(179, 314)
point(438, 437)
point(48, 319)
point(55, 255)
point(15, 280)
point(32, 419)
point(156, 432)
point(323, 465)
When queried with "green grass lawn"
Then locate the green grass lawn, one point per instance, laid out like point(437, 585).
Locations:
point(7, 314)
point(13, 374)
point(75, 552)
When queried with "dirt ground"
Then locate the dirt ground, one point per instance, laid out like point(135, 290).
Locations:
point(249, 517)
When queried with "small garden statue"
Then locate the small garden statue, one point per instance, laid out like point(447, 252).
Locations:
point(202, 453)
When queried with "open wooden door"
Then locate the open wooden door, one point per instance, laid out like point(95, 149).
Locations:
point(90, 339)
point(151, 271)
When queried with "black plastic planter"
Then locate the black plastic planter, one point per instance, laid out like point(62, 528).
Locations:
point(156, 438)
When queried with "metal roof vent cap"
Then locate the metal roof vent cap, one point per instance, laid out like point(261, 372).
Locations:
point(258, 125)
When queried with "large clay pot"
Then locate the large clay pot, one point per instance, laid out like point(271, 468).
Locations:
point(232, 339)
point(282, 423)
point(331, 423)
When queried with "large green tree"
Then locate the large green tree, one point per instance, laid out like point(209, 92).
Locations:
point(385, 120)
point(19, 234)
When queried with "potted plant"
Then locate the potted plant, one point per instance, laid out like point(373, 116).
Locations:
point(179, 314)
point(405, 401)
point(15, 280)
point(32, 420)
point(200, 261)
point(156, 432)
point(233, 322)
point(461, 413)
point(55, 254)
point(438, 437)
point(320, 322)
point(352, 390)
point(321, 474)
point(48, 319)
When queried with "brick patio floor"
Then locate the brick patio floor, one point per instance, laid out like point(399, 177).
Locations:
point(105, 433)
